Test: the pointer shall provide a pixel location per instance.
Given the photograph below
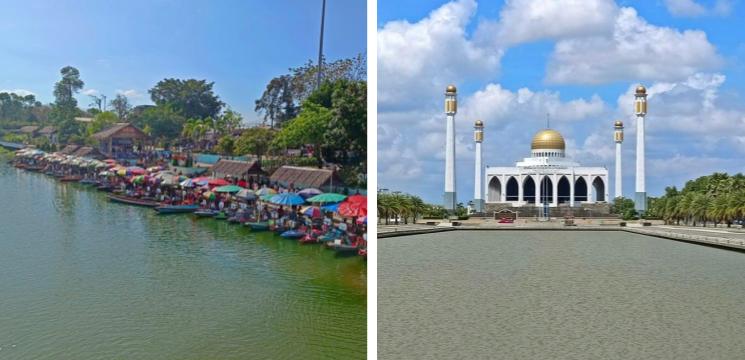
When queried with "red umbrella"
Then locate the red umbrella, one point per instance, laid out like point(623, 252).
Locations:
point(218, 182)
point(353, 209)
point(357, 198)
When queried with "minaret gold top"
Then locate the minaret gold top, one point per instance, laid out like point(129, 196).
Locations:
point(618, 134)
point(451, 100)
point(640, 102)
point(478, 134)
point(618, 124)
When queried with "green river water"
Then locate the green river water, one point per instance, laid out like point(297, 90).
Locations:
point(83, 278)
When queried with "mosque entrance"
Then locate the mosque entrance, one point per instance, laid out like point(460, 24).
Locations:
point(529, 190)
point(512, 189)
point(598, 188)
point(564, 191)
point(580, 190)
point(495, 190)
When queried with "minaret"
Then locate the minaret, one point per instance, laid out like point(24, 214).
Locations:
point(618, 137)
point(478, 137)
point(451, 107)
point(640, 108)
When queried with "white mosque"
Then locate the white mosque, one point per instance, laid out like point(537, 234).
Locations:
point(547, 177)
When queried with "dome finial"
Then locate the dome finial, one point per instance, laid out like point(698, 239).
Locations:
point(451, 89)
point(548, 139)
point(641, 89)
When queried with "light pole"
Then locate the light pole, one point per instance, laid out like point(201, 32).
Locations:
point(320, 46)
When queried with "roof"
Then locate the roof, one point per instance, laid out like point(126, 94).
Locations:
point(28, 129)
point(236, 168)
point(48, 130)
point(88, 152)
point(69, 149)
point(84, 119)
point(306, 177)
point(126, 130)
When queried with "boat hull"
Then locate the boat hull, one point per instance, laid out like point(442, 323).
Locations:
point(132, 201)
point(178, 209)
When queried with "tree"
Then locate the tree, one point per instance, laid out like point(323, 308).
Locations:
point(191, 98)
point(228, 122)
point(67, 87)
point(101, 121)
point(277, 103)
point(308, 128)
point(256, 141)
point(163, 121)
point(121, 106)
point(347, 130)
point(226, 145)
point(65, 108)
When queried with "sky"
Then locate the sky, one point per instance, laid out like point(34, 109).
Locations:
point(579, 61)
point(128, 46)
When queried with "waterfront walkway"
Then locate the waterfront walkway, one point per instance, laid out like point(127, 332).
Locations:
point(731, 238)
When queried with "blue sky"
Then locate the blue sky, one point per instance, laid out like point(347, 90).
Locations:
point(515, 61)
point(128, 46)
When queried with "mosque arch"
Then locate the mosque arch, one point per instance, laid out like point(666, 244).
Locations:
point(598, 189)
point(580, 190)
point(563, 190)
point(547, 190)
point(513, 189)
point(529, 189)
point(495, 190)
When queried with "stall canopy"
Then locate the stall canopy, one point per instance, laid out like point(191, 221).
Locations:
point(236, 169)
point(302, 177)
point(88, 152)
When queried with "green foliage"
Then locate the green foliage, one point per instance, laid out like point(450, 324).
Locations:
point(101, 121)
point(256, 141)
point(17, 107)
point(397, 206)
point(67, 87)
point(226, 145)
point(308, 128)
point(163, 122)
point(718, 197)
point(284, 94)
point(190, 98)
point(621, 205)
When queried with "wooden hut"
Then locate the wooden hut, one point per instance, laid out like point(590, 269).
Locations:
point(303, 177)
point(121, 138)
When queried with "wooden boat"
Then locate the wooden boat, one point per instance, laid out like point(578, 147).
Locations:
point(205, 213)
point(34, 168)
point(346, 249)
point(176, 209)
point(20, 165)
point(132, 201)
point(104, 187)
point(88, 182)
point(71, 178)
point(292, 234)
point(257, 226)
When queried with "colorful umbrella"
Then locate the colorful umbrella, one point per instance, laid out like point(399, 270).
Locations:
point(246, 194)
point(266, 197)
point(209, 195)
point(309, 192)
point(330, 208)
point(218, 182)
point(136, 170)
point(362, 220)
point(138, 179)
point(357, 198)
point(265, 191)
point(287, 199)
point(327, 198)
point(352, 209)
point(312, 211)
point(228, 188)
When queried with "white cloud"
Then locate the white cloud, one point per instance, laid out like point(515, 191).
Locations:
point(20, 92)
point(691, 8)
point(90, 92)
point(417, 60)
point(529, 20)
point(636, 50)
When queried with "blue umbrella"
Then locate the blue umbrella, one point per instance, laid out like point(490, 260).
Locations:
point(287, 199)
point(330, 207)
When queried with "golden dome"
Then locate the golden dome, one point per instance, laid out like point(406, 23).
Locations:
point(618, 124)
point(451, 89)
point(547, 139)
point(641, 89)
point(479, 123)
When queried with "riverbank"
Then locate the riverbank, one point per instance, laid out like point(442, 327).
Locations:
point(733, 239)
